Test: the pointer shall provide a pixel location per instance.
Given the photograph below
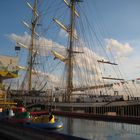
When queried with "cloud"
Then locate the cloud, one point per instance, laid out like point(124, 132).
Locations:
point(131, 67)
point(119, 49)
point(43, 45)
point(88, 71)
point(88, 57)
point(26, 39)
point(128, 56)
point(63, 33)
point(86, 67)
point(86, 61)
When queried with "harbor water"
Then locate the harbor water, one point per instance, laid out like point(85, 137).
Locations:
point(100, 130)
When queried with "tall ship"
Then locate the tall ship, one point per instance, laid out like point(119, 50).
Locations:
point(63, 65)
point(63, 60)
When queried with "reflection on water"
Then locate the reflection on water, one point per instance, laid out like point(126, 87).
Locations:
point(100, 130)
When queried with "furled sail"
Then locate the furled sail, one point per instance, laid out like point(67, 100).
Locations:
point(58, 56)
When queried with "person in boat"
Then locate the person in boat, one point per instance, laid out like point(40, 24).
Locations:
point(51, 116)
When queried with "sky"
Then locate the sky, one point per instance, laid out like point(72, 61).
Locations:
point(119, 21)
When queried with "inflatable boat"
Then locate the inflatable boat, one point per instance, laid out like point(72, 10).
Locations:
point(45, 122)
point(22, 117)
point(6, 114)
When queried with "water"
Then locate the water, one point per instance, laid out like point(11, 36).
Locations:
point(100, 130)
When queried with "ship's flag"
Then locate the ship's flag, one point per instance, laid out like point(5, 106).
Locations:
point(17, 48)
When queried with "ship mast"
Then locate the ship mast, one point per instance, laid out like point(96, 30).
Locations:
point(70, 30)
point(70, 53)
point(33, 26)
point(70, 49)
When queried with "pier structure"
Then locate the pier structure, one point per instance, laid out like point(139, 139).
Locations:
point(119, 111)
point(117, 108)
